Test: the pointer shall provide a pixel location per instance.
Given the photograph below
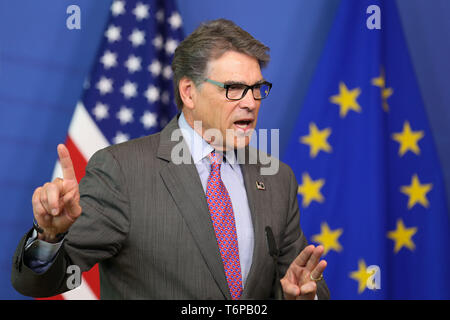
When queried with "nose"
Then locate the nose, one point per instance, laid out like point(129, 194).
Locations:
point(249, 102)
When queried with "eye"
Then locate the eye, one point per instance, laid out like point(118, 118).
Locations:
point(236, 87)
point(258, 86)
point(235, 91)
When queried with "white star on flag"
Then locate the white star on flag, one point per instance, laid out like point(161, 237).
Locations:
point(152, 94)
point(100, 111)
point(160, 16)
point(155, 68)
point(158, 42)
point(167, 72)
point(165, 97)
point(121, 137)
point(133, 64)
point(109, 59)
point(118, 8)
point(125, 115)
point(129, 89)
point(137, 37)
point(170, 46)
point(175, 21)
point(105, 85)
point(141, 11)
point(113, 33)
point(149, 119)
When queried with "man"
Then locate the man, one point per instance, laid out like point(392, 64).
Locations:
point(164, 229)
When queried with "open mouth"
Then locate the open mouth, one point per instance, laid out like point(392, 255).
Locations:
point(244, 125)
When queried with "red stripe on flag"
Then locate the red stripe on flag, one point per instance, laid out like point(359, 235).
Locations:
point(58, 297)
point(93, 279)
point(79, 162)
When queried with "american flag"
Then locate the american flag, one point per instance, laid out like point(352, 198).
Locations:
point(129, 93)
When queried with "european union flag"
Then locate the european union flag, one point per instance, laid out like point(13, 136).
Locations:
point(370, 185)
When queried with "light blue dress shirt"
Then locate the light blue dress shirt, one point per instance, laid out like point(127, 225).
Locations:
point(40, 254)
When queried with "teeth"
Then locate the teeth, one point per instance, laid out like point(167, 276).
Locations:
point(241, 126)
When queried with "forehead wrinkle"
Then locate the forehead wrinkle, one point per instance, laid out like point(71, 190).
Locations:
point(240, 67)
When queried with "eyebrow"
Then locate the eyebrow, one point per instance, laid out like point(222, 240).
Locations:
point(243, 83)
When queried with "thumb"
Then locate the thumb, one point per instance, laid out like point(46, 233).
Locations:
point(68, 186)
point(290, 289)
point(72, 204)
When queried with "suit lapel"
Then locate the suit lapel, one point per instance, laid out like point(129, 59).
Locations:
point(184, 185)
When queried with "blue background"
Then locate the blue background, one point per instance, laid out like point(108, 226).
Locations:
point(43, 66)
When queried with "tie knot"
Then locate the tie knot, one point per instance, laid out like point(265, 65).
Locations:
point(215, 159)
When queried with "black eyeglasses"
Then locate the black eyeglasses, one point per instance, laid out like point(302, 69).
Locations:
point(237, 91)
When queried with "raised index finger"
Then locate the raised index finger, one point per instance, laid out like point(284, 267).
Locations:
point(66, 163)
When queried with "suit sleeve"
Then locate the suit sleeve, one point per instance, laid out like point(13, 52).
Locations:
point(294, 240)
point(98, 233)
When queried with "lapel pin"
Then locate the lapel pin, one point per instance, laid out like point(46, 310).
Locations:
point(260, 185)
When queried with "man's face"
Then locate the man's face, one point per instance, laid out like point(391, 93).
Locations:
point(212, 107)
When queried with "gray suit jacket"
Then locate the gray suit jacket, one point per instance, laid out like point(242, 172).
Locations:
point(146, 222)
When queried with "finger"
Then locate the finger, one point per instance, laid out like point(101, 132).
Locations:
point(319, 269)
point(289, 288)
point(38, 208)
point(308, 288)
point(314, 258)
point(303, 257)
point(66, 162)
point(59, 183)
point(53, 191)
point(69, 185)
point(43, 198)
point(72, 204)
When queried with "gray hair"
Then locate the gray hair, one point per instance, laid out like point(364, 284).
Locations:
point(210, 41)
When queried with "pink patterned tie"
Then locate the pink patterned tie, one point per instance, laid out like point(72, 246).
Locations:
point(221, 210)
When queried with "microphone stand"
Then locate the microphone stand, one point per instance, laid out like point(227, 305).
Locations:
point(274, 253)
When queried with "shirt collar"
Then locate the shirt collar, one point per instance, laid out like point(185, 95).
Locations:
point(198, 147)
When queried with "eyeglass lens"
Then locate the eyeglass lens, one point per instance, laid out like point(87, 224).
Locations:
point(237, 92)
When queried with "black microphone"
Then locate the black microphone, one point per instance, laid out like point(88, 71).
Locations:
point(274, 252)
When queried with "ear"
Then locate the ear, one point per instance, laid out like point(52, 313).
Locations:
point(187, 91)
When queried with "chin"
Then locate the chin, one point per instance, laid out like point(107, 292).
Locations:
point(237, 138)
point(241, 142)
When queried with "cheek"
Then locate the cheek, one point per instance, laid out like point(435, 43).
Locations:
point(256, 112)
point(204, 111)
point(227, 116)
point(218, 113)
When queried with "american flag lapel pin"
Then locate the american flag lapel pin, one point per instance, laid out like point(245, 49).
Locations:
point(260, 185)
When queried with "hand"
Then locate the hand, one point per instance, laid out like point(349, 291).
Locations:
point(297, 283)
point(56, 205)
